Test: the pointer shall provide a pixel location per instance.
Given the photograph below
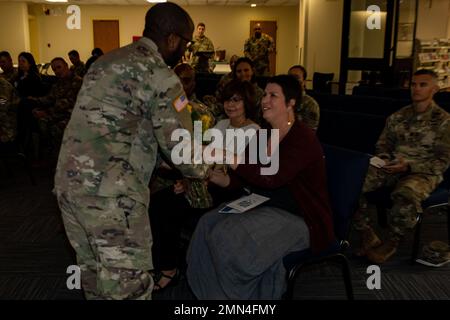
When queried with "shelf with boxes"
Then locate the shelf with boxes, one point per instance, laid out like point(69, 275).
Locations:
point(435, 55)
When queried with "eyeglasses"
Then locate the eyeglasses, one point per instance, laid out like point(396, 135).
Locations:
point(184, 38)
point(234, 99)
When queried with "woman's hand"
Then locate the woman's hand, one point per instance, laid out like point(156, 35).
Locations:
point(219, 178)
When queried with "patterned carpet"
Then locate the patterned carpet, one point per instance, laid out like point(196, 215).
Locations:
point(35, 253)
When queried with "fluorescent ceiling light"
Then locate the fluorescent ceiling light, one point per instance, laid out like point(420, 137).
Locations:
point(56, 0)
point(156, 1)
point(253, 5)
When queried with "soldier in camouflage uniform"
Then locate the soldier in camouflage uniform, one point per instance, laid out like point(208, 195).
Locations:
point(78, 66)
point(308, 110)
point(53, 110)
point(126, 111)
point(415, 143)
point(8, 109)
point(201, 43)
point(257, 48)
point(186, 74)
point(9, 72)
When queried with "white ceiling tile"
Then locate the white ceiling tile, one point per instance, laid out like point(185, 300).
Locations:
point(180, 2)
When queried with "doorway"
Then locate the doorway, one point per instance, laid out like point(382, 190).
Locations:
point(269, 28)
point(106, 34)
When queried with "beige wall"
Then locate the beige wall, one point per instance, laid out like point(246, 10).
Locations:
point(228, 28)
point(323, 36)
point(433, 22)
point(14, 32)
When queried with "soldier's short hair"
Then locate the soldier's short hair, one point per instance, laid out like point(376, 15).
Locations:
point(59, 59)
point(74, 53)
point(97, 52)
point(201, 24)
point(5, 54)
point(302, 68)
point(165, 18)
point(427, 72)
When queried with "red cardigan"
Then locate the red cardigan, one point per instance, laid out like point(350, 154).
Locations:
point(302, 170)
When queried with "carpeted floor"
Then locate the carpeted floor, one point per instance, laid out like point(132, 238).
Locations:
point(35, 253)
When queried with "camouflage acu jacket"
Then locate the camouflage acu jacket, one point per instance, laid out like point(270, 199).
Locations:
point(8, 116)
point(423, 140)
point(258, 51)
point(62, 97)
point(309, 112)
point(126, 111)
point(201, 44)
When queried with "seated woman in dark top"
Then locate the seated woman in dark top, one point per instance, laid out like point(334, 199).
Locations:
point(240, 255)
point(168, 209)
point(29, 83)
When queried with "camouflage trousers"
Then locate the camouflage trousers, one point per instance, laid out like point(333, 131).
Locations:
point(408, 193)
point(112, 241)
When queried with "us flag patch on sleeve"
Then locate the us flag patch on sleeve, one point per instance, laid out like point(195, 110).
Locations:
point(180, 103)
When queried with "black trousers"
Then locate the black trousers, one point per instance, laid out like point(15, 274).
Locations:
point(170, 215)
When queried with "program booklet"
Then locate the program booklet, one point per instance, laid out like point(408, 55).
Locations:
point(244, 204)
point(377, 162)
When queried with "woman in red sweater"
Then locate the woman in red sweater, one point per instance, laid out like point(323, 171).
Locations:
point(240, 255)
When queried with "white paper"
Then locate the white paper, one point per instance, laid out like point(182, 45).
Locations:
point(431, 264)
point(377, 162)
point(248, 202)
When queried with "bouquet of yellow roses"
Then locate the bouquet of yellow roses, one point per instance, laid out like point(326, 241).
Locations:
point(197, 189)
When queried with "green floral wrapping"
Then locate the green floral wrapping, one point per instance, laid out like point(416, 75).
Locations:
point(197, 194)
point(197, 190)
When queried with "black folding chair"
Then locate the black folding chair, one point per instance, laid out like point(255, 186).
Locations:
point(346, 171)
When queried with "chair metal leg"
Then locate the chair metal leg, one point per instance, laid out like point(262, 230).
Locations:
point(416, 241)
point(342, 260)
point(448, 222)
point(291, 277)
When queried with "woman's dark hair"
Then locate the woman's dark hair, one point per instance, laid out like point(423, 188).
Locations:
point(246, 91)
point(244, 60)
point(33, 68)
point(289, 86)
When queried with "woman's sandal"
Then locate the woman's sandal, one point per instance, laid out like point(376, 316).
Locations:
point(173, 280)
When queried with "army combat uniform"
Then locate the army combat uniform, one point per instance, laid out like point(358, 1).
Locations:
point(201, 64)
point(79, 69)
point(8, 108)
point(309, 112)
point(59, 104)
point(258, 51)
point(423, 140)
point(11, 77)
point(128, 107)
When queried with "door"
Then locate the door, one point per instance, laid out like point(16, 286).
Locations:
point(366, 50)
point(106, 34)
point(269, 28)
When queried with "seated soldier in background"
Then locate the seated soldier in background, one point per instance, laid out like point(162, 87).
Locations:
point(78, 66)
point(415, 145)
point(8, 116)
point(53, 110)
point(308, 111)
point(9, 72)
